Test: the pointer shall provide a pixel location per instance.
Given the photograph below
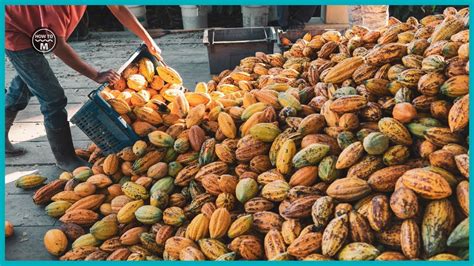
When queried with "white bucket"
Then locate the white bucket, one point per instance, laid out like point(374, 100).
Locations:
point(194, 17)
point(255, 16)
point(140, 13)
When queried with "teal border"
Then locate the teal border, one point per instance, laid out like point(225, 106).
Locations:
point(220, 2)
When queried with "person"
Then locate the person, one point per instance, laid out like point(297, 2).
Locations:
point(294, 17)
point(36, 78)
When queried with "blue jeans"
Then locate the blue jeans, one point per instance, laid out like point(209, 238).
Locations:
point(36, 78)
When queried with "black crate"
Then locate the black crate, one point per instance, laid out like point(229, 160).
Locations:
point(226, 47)
point(101, 123)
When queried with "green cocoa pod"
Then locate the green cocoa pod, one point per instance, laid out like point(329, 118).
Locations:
point(311, 155)
point(246, 189)
point(396, 155)
point(376, 143)
point(327, 171)
point(165, 184)
point(345, 139)
point(460, 236)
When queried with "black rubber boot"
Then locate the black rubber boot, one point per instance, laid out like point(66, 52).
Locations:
point(10, 150)
point(62, 147)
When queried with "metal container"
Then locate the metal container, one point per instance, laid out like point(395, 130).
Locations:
point(226, 47)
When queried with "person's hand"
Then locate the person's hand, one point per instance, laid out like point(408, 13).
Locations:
point(153, 48)
point(109, 76)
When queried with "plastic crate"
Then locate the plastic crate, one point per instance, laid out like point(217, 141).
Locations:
point(101, 123)
point(226, 47)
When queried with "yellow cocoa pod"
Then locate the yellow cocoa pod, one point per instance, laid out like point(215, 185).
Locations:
point(395, 131)
point(252, 109)
point(285, 156)
point(146, 69)
point(137, 82)
point(126, 214)
point(240, 226)
point(253, 120)
point(219, 223)
point(288, 100)
point(119, 105)
point(241, 75)
point(212, 248)
point(266, 132)
point(343, 70)
point(195, 115)
point(276, 191)
point(201, 87)
point(169, 75)
point(198, 228)
point(227, 125)
point(196, 98)
point(147, 114)
point(161, 139)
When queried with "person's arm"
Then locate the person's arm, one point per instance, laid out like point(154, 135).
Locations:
point(127, 19)
point(65, 52)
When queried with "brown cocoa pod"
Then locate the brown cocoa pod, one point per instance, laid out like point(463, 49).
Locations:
point(410, 239)
point(72, 231)
point(45, 193)
point(379, 213)
point(404, 203)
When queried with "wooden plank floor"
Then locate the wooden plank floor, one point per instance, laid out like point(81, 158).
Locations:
point(184, 52)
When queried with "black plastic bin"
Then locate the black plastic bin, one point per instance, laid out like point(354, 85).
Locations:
point(101, 123)
point(227, 46)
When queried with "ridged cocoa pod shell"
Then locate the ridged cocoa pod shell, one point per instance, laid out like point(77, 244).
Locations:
point(119, 254)
point(249, 147)
point(462, 163)
point(348, 189)
point(273, 244)
point(404, 203)
point(97, 256)
point(301, 207)
point(45, 193)
point(305, 244)
point(335, 235)
point(427, 184)
point(111, 244)
point(265, 221)
point(391, 255)
point(196, 137)
point(360, 230)
point(258, 204)
point(438, 222)
point(78, 253)
point(251, 249)
point(80, 217)
point(367, 166)
point(384, 179)
point(390, 236)
point(410, 239)
point(379, 213)
point(72, 231)
point(462, 195)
